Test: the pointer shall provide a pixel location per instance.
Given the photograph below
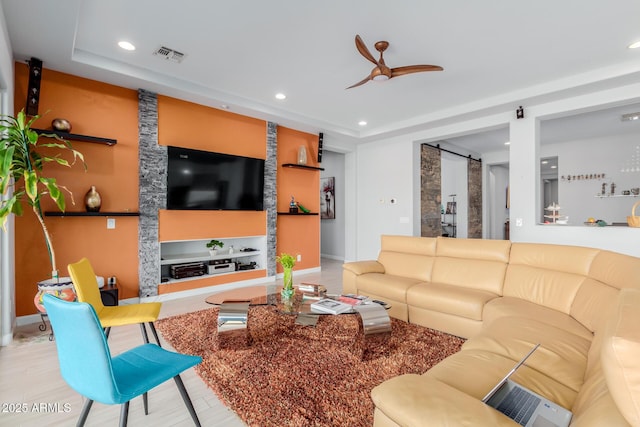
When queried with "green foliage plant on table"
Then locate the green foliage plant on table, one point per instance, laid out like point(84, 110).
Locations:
point(21, 173)
point(287, 262)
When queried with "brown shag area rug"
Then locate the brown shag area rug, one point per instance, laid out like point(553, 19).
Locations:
point(292, 375)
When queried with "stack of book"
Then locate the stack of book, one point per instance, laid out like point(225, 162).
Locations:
point(331, 306)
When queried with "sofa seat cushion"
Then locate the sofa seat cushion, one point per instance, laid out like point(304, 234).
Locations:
point(475, 372)
point(511, 306)
point(621, 355)
point(390, 287)
point(449, 299)
point(418, 400)
point(561, 355)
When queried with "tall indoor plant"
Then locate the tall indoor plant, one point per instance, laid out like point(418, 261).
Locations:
point(21, 173)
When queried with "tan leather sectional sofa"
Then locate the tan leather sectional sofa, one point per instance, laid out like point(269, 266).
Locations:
point(581, 304)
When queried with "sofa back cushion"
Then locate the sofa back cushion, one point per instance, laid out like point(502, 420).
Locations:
point(620, 355)
point(471, 263)
point(548, 275)
point(408, 256)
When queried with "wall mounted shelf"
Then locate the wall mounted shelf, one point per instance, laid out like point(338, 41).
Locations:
point(298, 214)
point(294, 165)
point(78, 137)
point(615, 195)
point(54, 213)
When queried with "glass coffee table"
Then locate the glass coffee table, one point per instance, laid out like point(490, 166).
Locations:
point(233, 317)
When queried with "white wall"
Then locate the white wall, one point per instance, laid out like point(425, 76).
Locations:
point(332, 231)
point(606, 156)
point(383, 172)
point(7, 269)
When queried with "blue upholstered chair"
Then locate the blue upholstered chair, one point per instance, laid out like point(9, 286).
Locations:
point(87, 366)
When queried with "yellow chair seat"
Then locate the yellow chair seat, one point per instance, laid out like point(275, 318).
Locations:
point(129, 314)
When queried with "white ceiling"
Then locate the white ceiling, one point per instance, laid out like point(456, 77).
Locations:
point(496, 54)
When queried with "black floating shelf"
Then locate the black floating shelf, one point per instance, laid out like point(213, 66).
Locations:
point(298, 214)
point(294, 165)
point(54, 213)
point(77, 137)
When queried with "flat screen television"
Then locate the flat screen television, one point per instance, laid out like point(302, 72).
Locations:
point(204, 180)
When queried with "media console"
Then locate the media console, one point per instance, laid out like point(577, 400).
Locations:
point(190, 259)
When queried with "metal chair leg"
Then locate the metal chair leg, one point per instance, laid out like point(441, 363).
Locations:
point(85, 412)
point(124, 414)
point(155, 333)
point(187, 400)
point(145, 403)
point(106, 331)
point(145, 337)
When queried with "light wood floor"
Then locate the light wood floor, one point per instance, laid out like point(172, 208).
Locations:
point(30, 379)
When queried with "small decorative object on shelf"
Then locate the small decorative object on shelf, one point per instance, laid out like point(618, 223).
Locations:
point(213, 245)
point(302, 155)
point(554, 216)
point(293, 207)
point(633, 220)
point(61, 125)
point(92, 200)
point(287, 262)
point(303, 209)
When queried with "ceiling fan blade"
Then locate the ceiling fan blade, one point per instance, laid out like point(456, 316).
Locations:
point(363, 81)
point(400, 71)
point(362, 48)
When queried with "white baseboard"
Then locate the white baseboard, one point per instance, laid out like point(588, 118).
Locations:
point(333, 257)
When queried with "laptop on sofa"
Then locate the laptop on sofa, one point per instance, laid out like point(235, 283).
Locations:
point(522, 405)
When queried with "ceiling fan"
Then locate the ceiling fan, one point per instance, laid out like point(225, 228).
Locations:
point(381, 72)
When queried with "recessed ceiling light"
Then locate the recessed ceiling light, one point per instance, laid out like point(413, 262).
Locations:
point(281, 96)
point(507, 143)
point(544, 162)
point(362, 123)
point(634, 45)
point(126, 45)
point(554, 167)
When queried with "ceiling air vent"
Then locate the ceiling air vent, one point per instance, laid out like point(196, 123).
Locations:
point(169, 54)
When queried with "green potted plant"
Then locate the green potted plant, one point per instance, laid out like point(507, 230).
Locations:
point(21, 174)
point(287, 262)
point(213, 245)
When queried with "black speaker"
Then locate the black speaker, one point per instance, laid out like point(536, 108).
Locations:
point(320, 138)
point(109, 295)
point(33, 92)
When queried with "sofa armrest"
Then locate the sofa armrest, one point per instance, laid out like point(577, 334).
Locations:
point(351, 271)
point(362, 267)
point(411, 400)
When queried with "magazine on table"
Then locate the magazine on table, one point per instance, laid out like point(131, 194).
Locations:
point(353, 299)
point(331, 306)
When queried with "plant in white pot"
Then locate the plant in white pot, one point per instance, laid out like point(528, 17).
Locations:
point(22, 179)
point(213, 246)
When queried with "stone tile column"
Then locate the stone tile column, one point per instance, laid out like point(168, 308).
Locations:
point(430, 191)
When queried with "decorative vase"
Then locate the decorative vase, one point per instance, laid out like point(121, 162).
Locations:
point(61, 125)
point(92, 200)
point(213, 252)
point(287, 290)
point(302, 155)
point(60, 288)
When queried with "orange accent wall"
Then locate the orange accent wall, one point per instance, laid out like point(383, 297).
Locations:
point(194, 225)
point(298, 234)
point(96, 109)
point(104, 110)
point(189, 125)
